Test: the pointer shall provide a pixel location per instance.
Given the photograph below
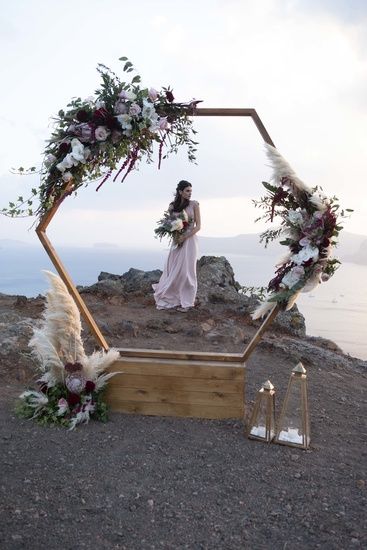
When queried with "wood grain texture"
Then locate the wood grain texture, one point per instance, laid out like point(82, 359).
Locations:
point(177, 388)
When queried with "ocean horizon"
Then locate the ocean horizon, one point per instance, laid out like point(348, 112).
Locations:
point(336, 310)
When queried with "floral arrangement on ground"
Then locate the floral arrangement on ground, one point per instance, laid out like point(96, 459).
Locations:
point(310, 225)
point(172, 225)
point(71, 384)
point(121, 121)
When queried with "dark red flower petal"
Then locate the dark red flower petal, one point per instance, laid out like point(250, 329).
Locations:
point(169, 95)
point(73, 399)
point(89, 386)
point(83, 116)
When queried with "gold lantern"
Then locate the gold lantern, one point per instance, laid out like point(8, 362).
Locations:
point(262, 423)
point(293, 427)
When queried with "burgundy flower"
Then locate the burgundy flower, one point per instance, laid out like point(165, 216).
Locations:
point(279, 196)
point(83, 116)
point(100, 116)
point(169, 95)
point(73, 399)
point(307, 263)
point(111, 122)
point(275, 282)
point(73, 367)
point(89, 386)
point(64, 148)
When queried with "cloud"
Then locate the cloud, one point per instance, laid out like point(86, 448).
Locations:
point(301, 64)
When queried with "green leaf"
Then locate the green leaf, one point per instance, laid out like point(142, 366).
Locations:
point(136, 79)
point(122, 58)
point(269, 187)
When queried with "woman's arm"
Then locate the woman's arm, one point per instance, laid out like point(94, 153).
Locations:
point(197, 224)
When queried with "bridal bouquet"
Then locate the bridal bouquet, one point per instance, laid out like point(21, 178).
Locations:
point(172, 225)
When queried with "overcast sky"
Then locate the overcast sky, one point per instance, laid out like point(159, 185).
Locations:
point(301, 64)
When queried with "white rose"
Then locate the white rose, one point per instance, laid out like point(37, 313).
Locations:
point(125, 121)
point(67, 176)
point(148, 110)
point(77, 150)
point(295, 217)
point(176, 225)
point(125, 94)
point(68, 162)
point(293, 276)
point(307, 253)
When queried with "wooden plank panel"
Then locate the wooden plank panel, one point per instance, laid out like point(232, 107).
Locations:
point(154, 367)
point(183, 355)
point(221, 399)
point(171, 383)
point(178, 409)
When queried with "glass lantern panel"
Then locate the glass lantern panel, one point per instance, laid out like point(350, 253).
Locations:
point(291, 428)
point(259, 427)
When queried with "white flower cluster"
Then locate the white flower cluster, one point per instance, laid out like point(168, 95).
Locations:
point(78, 154)
point(127, 108)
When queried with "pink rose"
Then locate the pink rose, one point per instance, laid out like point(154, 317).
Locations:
point(84, 132)
point(120, 107)
point(163, 124)
point(153, 94)
point(101, 133)
point(135, 109)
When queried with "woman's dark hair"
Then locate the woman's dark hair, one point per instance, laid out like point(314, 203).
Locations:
point(178, 203)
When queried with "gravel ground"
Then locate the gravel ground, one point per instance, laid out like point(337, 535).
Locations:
point(150, 482)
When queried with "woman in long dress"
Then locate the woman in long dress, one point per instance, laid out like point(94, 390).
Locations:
point(177, 286)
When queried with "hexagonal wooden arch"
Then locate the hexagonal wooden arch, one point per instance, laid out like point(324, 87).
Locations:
point(213, 383)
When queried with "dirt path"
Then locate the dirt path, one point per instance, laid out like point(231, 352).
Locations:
point(150, 482)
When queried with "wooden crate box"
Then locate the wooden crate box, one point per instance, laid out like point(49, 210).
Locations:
point(189, 387)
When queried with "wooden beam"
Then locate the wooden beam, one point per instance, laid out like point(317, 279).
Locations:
point(237, 112)
point(183, 355)
point(257, 337)
point(85, 313)
point(41, 233)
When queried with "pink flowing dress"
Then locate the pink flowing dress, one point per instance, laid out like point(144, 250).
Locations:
point(178, 283)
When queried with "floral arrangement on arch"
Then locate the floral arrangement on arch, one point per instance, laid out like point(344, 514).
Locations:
point(310, 225)
point(173, 225)
point(70, 383)
point(121, 121)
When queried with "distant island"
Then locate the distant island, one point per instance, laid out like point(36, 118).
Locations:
point(351, 248)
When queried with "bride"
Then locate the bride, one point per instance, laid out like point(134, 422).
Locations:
point(177, 286)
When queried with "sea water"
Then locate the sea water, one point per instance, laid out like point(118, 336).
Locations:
point(336, 310)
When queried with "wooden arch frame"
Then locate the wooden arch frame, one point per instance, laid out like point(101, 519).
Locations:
point(229, 358)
